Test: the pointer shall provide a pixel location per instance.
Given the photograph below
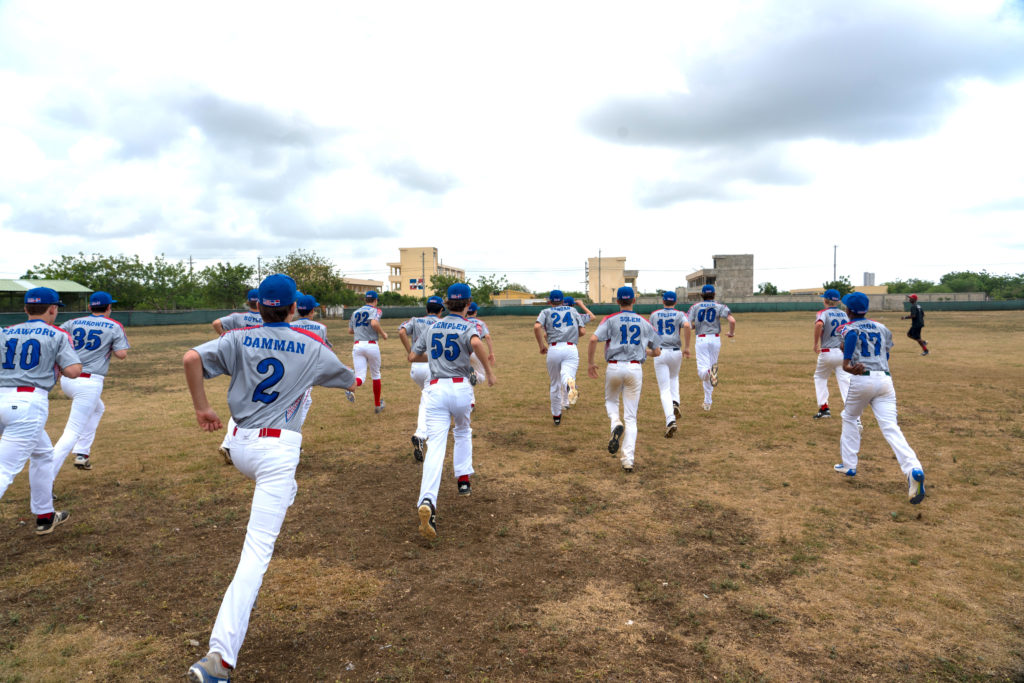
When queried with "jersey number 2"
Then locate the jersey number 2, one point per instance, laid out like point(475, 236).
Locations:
point(276, 370)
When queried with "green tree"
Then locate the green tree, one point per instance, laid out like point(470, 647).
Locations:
point(487, 286)
point(843, 284)
point(314, 274)
point(909, 286)
point(160, 284)
point(397, 299)
point(439, 284)
point(768, 289)
point(224, 285)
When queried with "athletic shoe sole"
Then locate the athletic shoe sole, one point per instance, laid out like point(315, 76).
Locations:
point(676, 412)
point(842, 470)
point(574, 394)
point(417, 448)
point(916, 487)
point(226, 454)
point(613, 445)
point(83, 464)
point(713, 375)
point(59, 518)
point(427, 530)
point(670, 430)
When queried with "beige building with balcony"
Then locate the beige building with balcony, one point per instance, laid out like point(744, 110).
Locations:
point(415, 267)
point(605, 275)
point(362, 286)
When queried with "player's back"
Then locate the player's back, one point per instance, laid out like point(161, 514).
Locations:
point(868, 342)
point(668, 323)
point(317, 328)
point(448, 345)
point(561, 324)
point(627, 336)
point(94, 337)
point(271, 368)
point(32, 352)
point(360, 321)
point(706, 317)
point(832, 319)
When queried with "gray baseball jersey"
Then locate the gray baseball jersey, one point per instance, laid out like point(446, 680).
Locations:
point(706, 317)
point(868, 342)
point(271, 368)
point(481, 325)
point(359, 323)
point(832, 318)
point(585, 318)
point(95, 337)
point(33, 351)
point(415, 327)
point(627, 336)
point(561, 324)
point(668, 323)
point(319, 329)
point(448, 345)
point(240, 319)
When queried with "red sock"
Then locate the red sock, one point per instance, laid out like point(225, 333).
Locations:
point(376, 392)
point(824, 406)
point(359, 382)
point(464, 477)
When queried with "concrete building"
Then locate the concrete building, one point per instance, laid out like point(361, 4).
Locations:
point(731, 274)
point(362, 286)
point(416, 265)
point(605, 275)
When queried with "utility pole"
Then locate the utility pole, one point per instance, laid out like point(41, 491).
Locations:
point(190, 268)
point(834, 247)
point(259, 269)
point(423, 275)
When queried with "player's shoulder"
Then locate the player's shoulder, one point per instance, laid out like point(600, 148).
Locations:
point(610, 316)
point(308, 333)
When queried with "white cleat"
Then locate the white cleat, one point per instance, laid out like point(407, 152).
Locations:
point(574, 394)
point(707, 407)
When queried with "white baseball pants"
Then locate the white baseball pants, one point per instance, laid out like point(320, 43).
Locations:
point(874, 390)
point(86, 410)
point(706, 347)
point(448, 401)
point(366, 354)
point(626, 379)
point(23, 416)
point(829, 361)
point(420, 374)
point(666, 370)
point(563, 360)
point(271, 463)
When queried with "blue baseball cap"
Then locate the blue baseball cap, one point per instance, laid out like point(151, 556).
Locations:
point(436, 300)
point(625, 293)
point(569, 301)
point(43, 295)
point(277, 290)
point(831, 295)
point(668, 296)
point(306, 302)
point(254, 296)
point(371, 295)
point(473, 307)
point(101, 299)
point(707, 289)
point(556, 296)
point(459, 291)
point(857, 302)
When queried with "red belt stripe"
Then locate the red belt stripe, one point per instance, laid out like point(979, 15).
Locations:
point(274, 433)
point(26, 388)
point(86, 374)
point(455, 380)
point(708, 335)
point(622, 361)
point(566, 343)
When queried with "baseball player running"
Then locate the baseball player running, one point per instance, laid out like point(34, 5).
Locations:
point(916, 318)
point(410, 331)
point(270, 367)
point(239, 319)
point(830, 355)
point(706, 318)
point(479, 374)
point(364, 325)
point(446, 346)
point(866, 345)
point(628, 339)
point(561, 326)
point(669, 324)
point(586, 316)
point(32, 351)
point(96, 337)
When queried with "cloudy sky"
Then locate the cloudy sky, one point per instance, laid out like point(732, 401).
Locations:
point(519, 138)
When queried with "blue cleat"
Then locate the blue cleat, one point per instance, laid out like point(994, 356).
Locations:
point(209, 669)
point(842, 469)
point(916, 481)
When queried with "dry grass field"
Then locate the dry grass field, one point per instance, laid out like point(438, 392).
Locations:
point(733, 553)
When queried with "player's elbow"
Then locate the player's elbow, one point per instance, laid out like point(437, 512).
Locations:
point(121, 354)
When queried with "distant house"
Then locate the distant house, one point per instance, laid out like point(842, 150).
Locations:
point(12, 293)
